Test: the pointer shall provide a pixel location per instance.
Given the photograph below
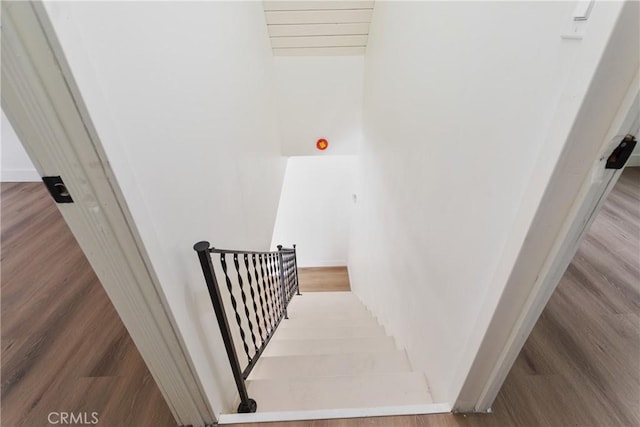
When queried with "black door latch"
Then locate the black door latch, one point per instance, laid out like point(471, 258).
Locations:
point(57, 189)
point(621, 154)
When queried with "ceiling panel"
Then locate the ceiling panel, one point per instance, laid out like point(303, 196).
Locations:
point(319, 51)
point(294, 30)
point(318, 27)
point(319, 41)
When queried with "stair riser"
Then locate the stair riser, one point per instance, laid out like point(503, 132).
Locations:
point(344, 392)
point(328, 333)
point(306, 347)
point(337, 365)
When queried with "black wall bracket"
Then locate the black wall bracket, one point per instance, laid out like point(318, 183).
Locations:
point(57, 189)
point(622, 152)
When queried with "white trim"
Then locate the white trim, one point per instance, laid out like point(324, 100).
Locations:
point(20, 175)
point(634, 161)
point(328, 414)
point(44, 106)
point(544, 255)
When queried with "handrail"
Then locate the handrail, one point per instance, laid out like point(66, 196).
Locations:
point(272, 280)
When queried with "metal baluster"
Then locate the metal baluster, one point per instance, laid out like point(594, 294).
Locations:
point(234, 304)
point(295, 264)
point(244, 302)
point(253, 299)
point(274, 299)
point(260, 297)
point(285, 278)
point(290, 275)
point(274, 280)
point(267, 290)
point(292, 283)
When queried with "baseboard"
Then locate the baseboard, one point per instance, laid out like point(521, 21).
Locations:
point(634, 160)
point(19, 175)
point(326, 414)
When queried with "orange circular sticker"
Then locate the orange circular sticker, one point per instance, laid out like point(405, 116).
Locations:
point(322, 144)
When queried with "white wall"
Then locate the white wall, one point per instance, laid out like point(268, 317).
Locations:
point(458, 101)
point(15, 164)
point(319, 97)
point(315, 209)
point(181, 94)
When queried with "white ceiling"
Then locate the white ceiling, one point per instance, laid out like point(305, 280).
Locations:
point(319, 27)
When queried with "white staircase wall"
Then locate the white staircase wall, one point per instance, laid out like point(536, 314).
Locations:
point(315, 209)
point(459, 102)
point(182, 96)
point(319, 97)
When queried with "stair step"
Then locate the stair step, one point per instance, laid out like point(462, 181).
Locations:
point(327, 322)
point(332, 301)
point(330, 365)
point(345, 315)
point(397, 389)
point(345, 332)
point(329, 346)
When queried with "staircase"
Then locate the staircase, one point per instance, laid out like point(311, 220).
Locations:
point(331, 354)
point(310, 356)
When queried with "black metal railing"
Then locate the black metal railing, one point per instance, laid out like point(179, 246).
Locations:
point(260, 286)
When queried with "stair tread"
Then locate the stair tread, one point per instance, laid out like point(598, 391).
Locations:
point(327, 322)
point(330, 365)
point(319, 332)
point(328, 346)
point(395, 389)
point(334, 301)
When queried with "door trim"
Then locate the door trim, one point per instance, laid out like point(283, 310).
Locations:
point(43, 103)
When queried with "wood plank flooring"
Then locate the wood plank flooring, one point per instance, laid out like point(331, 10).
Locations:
point(323, 279)
point(64, 348)
point(581, 364)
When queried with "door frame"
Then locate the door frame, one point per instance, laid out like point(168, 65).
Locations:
point(542, 261)
point(43, 103)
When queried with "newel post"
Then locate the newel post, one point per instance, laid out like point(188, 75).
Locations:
point(282, 286)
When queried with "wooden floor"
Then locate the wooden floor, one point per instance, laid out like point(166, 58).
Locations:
point(581, 364)
point(64, 348)
point(323, 279)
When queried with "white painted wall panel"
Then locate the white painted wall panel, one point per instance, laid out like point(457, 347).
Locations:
point(315, 209)
point(458, 100)
point(319, 98)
